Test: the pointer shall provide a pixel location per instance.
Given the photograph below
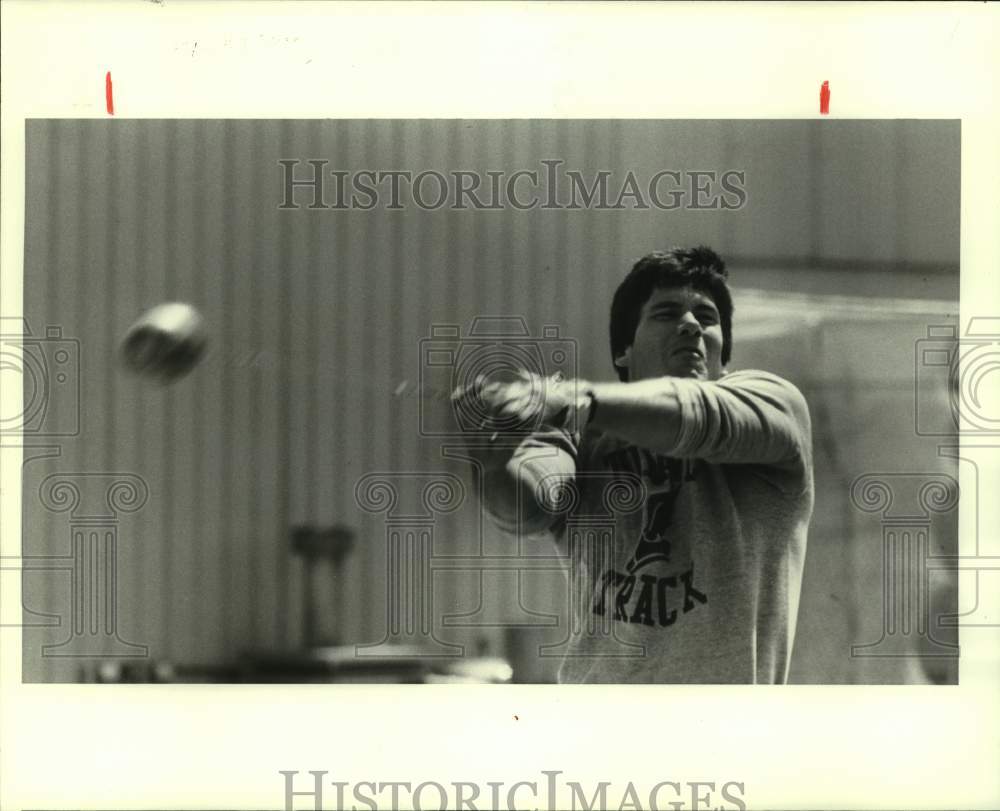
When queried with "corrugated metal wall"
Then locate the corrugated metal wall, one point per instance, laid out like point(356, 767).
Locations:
point(316, 318)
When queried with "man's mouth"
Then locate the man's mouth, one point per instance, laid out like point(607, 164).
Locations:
point(690, 352)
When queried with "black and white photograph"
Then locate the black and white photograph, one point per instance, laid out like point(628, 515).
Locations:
point(506, 405)
point(584, 401)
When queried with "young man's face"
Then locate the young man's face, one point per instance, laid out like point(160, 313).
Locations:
point(679, 334)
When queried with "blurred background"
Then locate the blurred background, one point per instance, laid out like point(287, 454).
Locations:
point(251, 540)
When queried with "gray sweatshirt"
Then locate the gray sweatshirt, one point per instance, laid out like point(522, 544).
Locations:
point(683, 567)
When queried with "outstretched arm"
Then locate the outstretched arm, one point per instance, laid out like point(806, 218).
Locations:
point(746, 417)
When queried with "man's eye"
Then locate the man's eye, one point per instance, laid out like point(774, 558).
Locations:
point(705, 318)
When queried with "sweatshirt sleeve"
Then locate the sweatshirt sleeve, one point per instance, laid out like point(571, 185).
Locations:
point(747, 417)
point(523, 495)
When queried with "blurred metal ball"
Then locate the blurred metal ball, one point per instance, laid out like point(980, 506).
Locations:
point(165, 343)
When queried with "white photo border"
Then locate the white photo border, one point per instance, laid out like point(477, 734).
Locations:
point(194, 746)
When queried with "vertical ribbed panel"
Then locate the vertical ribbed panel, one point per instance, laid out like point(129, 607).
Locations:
point(316, 317)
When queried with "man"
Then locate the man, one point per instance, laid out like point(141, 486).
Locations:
point(700, 580)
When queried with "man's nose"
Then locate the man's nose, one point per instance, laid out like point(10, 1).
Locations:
point(689, 325)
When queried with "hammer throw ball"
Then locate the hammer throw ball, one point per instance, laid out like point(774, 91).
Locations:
point(165, 343)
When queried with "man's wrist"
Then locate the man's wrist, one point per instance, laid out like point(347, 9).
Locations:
point(579, 412)
point(585, 408)
point(644, 411)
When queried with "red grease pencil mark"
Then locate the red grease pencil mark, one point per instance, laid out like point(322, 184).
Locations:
point(109, 96)
point(824, 99)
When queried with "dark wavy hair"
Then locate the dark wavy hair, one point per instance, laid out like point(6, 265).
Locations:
point(701, 268)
